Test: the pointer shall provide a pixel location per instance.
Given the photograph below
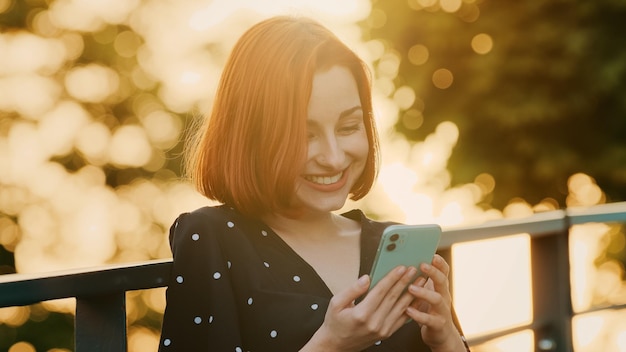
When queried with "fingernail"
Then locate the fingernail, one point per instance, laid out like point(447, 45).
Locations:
point(364, 280)
point(425, 266)
point(401, 269)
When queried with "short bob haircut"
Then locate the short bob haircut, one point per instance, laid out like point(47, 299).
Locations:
point(251, 150)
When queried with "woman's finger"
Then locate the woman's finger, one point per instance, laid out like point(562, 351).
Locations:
point(398, 298)
point(346, 297)
point(439, 278)
point(422, 318)
point(432, 297)
point(392, 295)
point(378, 294)
point(441, 264)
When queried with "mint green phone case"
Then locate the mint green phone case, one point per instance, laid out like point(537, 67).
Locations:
point(408, 245)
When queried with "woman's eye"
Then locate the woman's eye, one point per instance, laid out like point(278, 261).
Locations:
point(350, 129)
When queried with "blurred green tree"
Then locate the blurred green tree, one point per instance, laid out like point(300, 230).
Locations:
point(544, 102)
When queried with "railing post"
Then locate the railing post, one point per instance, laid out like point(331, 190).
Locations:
point(100, 323)
point(552, 301)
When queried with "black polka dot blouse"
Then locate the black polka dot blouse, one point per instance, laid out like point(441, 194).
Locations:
point(237, 286)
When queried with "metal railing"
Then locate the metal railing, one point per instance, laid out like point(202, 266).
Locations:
point(100, 320)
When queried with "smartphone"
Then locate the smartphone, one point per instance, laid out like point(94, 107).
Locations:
point(408, 245)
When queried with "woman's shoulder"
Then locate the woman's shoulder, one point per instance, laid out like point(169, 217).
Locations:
point(367, 223)
point(207, 215)
point(208, 220)
point(215, 220)
point(206, 212)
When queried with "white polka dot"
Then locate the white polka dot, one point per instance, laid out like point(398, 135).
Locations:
point(296, 278)
point(273, 334)
point(179, 279)
point(167, 342)
point(210, 319)
point(264, 233)
point(195, 237)
point(250, 300)
point(217, 275)
point(197, 320)
point(238, 349)
point(314, 306)
point(267, 265)
point(378, 343)
point(230, 224)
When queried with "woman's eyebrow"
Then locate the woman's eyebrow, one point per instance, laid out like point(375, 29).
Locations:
point(349, 111)
point(342, 115)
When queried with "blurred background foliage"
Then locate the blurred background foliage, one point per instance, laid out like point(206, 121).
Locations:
point(538, 92)
point(496, 106)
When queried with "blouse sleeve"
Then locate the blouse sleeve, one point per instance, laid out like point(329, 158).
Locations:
point(200, 313)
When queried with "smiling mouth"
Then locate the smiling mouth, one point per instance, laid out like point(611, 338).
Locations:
point(324, 180)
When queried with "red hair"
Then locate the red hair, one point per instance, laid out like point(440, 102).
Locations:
point(253, 146)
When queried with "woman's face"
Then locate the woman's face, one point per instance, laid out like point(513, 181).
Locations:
point(337, 142)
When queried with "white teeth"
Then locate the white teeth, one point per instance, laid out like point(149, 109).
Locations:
point(324, 180)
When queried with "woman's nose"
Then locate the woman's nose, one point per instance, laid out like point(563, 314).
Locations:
point(331, 154)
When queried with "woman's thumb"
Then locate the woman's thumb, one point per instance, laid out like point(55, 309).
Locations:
point(353, 292)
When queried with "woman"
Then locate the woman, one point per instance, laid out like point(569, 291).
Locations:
point(291, 136)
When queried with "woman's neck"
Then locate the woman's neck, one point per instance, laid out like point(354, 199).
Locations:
point(318, 226)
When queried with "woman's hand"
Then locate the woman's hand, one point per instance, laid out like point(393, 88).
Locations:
point(432, 307)
point(353, 327)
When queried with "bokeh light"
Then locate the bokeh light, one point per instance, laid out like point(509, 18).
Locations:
point(482, 43)
point(22, 346)
point(450, 5)
point(92, 83)
point(418, 54)
point(443, 78)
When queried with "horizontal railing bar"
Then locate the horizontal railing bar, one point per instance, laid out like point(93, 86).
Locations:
point(601, 308)
point(539, 224)
point(25, 289)
point(483, 338)
point(611, 212)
